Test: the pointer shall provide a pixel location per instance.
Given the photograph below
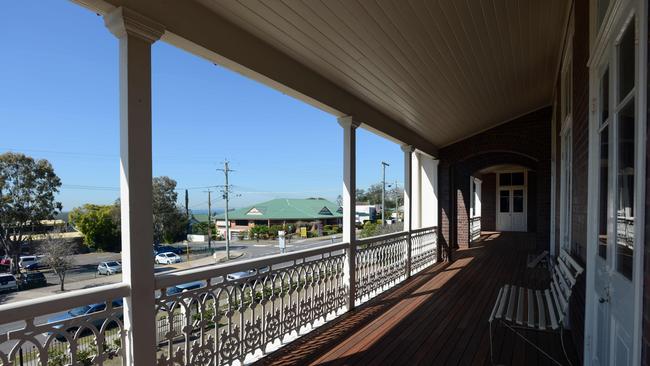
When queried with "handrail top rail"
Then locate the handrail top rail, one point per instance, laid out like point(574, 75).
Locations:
point(419, 230)
point(29, 309)
point(164, 280)
point(381, 237)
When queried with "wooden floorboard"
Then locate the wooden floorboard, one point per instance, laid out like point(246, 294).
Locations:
point(438, 316)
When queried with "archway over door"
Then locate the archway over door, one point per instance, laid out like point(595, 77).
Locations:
point(501, 174)
point(508, 198)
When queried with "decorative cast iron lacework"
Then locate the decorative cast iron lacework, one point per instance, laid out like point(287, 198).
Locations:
point(218, 315)
point(93, 338)
point(424, 248)
point(380, 264)
point(234, 315)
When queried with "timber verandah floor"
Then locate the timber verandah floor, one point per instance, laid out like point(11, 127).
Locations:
point(438, 317)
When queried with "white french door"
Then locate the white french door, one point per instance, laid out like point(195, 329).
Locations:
point(616, 178)
point(511, 201)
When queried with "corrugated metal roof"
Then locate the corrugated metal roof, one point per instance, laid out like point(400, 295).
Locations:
point(287, 209)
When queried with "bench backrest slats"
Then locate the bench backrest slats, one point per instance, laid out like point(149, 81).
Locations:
point(563, 277)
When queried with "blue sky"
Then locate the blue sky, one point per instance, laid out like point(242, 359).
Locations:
point(59, 101)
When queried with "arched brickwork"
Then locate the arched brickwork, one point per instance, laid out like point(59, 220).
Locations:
point(525, 141)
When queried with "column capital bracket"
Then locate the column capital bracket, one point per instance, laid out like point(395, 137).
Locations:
point(407, 148)
point(348, 122)
point(124, 21)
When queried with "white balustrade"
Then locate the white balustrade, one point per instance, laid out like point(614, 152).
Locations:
point(248, 308)
point(213, 315)
point(424, 248)
point(89, 330)
point(474, 228)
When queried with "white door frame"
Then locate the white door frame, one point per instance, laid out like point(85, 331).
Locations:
point(618, 13)
point(566, 184)
point(511, 188)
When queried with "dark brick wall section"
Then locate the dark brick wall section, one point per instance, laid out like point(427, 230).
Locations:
point(580, 129)
point(645, 346)
point(580, 161)
point(524, 141)
point(489, 202)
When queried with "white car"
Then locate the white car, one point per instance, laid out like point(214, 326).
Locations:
point(28, 261)
point(8, 282)
point(167, 258)
point(109, 268)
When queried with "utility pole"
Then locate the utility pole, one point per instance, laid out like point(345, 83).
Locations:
point(209, 219)
point(383, 192)
point(226, 197)
point(187, 202)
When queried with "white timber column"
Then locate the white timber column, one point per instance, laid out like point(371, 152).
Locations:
point(416, 191)
point(136, 34)
point(350, 203)
point(408, 152)
point(428, 189)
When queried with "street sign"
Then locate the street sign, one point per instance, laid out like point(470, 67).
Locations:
point(303, 232)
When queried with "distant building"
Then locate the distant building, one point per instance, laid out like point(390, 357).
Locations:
point(366, 212)
point(282, 211)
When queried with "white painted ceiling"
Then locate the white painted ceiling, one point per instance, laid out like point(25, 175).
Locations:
point(447, 69)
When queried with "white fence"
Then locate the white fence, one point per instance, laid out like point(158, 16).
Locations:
point(232, 314)
point(474, 228)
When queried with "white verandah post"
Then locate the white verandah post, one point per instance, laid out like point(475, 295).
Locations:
point(136, 34)
point(408, 205)
point(349, 203)
point(416, 190)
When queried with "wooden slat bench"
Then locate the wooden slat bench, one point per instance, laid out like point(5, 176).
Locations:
point(542, 310)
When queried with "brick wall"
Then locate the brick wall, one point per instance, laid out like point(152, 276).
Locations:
point(645, 341)
point(525, 141)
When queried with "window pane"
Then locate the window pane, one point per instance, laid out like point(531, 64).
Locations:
point(626, 62)
point(518, 200)
point(625, 191)
point(517, 179)
point(602, 198)
point(604, 97)
point(504, 201)
point(505, 179)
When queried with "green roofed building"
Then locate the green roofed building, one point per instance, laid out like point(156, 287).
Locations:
point(283, 211)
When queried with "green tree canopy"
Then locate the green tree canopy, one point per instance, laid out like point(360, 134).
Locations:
point(99, 226)
point(27, 190)
point(169, 220)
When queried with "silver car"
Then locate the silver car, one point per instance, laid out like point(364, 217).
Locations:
point(8, 282)
point(109, 268)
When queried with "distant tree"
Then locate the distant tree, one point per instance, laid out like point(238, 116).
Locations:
point(27, 190)
point(98, 225)
point(169, 219)
point(57, 254)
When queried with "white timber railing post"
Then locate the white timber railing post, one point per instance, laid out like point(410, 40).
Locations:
point(349, 203)
point(408, 205)
point(136, 34)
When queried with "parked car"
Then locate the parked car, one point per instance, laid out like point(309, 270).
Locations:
point(184, 287)
point(167, 258)
point(85, 310)
point(32, 280)
point(109, 268)
point(169, 248)
point(30, 262)
point(8, 282)
point(250, 274)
